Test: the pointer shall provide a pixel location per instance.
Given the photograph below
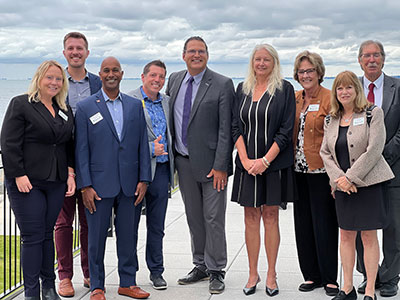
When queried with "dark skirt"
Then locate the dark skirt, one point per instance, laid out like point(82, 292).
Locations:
point(270, 188)
point(365, 210)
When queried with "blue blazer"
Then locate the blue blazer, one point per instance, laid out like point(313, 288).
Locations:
point(102, 160)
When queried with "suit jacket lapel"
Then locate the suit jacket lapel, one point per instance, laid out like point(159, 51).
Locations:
point(177, 85)
point(46, 115)
point(204, 85)
point(388, 94)
point(101, 104)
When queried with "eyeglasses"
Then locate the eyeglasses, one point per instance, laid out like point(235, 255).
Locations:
point(193, 52)
point(368, 55)
point(308, 71)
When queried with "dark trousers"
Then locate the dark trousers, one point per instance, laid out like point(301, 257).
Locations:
point(156, 208)
point(64, 237)
point(36, 214)
point(316, 228)
point(390, 268)
point(98, 224)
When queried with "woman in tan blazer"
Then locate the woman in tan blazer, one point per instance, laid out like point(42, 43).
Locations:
point(352, 153)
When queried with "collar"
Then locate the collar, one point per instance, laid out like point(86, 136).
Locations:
point(197, 78)
point(315, 94)
point(71, 79)
point(106, 98)
point(146, 98)
point(378, 83)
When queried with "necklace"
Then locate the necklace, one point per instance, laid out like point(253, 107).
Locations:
point(348, 118)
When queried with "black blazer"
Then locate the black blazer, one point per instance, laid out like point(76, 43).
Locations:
point(281, 115)
point(29, 140)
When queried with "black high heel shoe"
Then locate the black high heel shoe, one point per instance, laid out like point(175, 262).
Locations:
point(272, 292)
point(251, 290)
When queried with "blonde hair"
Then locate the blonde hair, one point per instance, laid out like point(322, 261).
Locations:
point(314, 59)
point(346, 78)
point(34, 87)
point(274, 80)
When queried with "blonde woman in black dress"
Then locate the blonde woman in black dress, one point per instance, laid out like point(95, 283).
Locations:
point(262, 131)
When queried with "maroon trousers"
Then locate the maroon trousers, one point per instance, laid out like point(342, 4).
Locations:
point(64, 238)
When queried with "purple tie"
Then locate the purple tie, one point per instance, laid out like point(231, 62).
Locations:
point(187, 107)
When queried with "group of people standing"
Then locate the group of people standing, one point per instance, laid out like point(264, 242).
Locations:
point(76, 138)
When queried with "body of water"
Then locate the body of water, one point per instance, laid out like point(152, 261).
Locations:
point(12, 88)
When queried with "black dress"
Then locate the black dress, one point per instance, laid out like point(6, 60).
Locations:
point(270, 188)
point(364, 210)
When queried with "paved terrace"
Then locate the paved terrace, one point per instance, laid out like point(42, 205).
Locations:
point(177, 256)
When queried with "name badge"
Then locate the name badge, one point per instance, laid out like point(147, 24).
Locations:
point(358, 121)
point(313, 107)
point(96, 118)
point(62, 115)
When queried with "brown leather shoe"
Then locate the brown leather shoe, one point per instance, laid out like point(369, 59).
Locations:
point(97, 294)
point(133, 292)
point(86, 282)
point(65, 288)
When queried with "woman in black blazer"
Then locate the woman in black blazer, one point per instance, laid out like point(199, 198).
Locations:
point(37, 151)
point(262, 130)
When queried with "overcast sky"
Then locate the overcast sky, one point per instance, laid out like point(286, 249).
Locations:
point(139, 31)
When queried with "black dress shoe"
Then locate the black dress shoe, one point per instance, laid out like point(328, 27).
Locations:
point(217, 285)
point(343, 296)
point(194, 276)
point(369, 297)
point(158, 282)
point(251, 290)
point(389, 289)
point(50, 294)
point(330, 291)
point(308, 287)
point(272, 292)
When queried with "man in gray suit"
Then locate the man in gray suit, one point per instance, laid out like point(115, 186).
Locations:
point(156, 112)
point(384, 91)
point(200, 105)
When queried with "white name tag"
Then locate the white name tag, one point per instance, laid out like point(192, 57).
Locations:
point(96, 118)
point(313, 107)
point(358, 121)
point(62, 115)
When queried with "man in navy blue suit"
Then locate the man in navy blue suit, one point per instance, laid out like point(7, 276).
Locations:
point(112, 170)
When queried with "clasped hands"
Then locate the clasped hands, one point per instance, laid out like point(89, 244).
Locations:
point(345, 185)
point(254, 166)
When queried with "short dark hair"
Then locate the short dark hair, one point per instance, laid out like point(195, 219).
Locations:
point(157, 63)
point(369, 42)
point(76, 35)
point(194, 38)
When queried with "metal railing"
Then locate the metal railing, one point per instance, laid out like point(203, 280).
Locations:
point(11, 280)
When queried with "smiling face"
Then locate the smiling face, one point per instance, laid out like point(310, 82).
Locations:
point(371, 61)
point(51, 83)
point(153, 81)
point(75, 52)
point(263, 63)
point(346, 94)
point(195, 56)
point(307, 74)
point(111, 74)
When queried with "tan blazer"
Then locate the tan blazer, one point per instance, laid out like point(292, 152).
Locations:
point(365, 145)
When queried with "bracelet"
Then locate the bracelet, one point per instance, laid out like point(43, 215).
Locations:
point(267, 164)
point(348, 181)
point(84, 189)
point(72, 175)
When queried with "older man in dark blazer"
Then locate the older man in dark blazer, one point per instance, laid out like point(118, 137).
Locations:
point(200, 102)
point(112, 170)
point(384, 91)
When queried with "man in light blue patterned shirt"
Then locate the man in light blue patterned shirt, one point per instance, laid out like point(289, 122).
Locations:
point(157, 115)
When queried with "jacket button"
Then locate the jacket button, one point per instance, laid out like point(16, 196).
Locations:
point(310, 130)
point(352, 160)
point(349, 132)
point(351, 146)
